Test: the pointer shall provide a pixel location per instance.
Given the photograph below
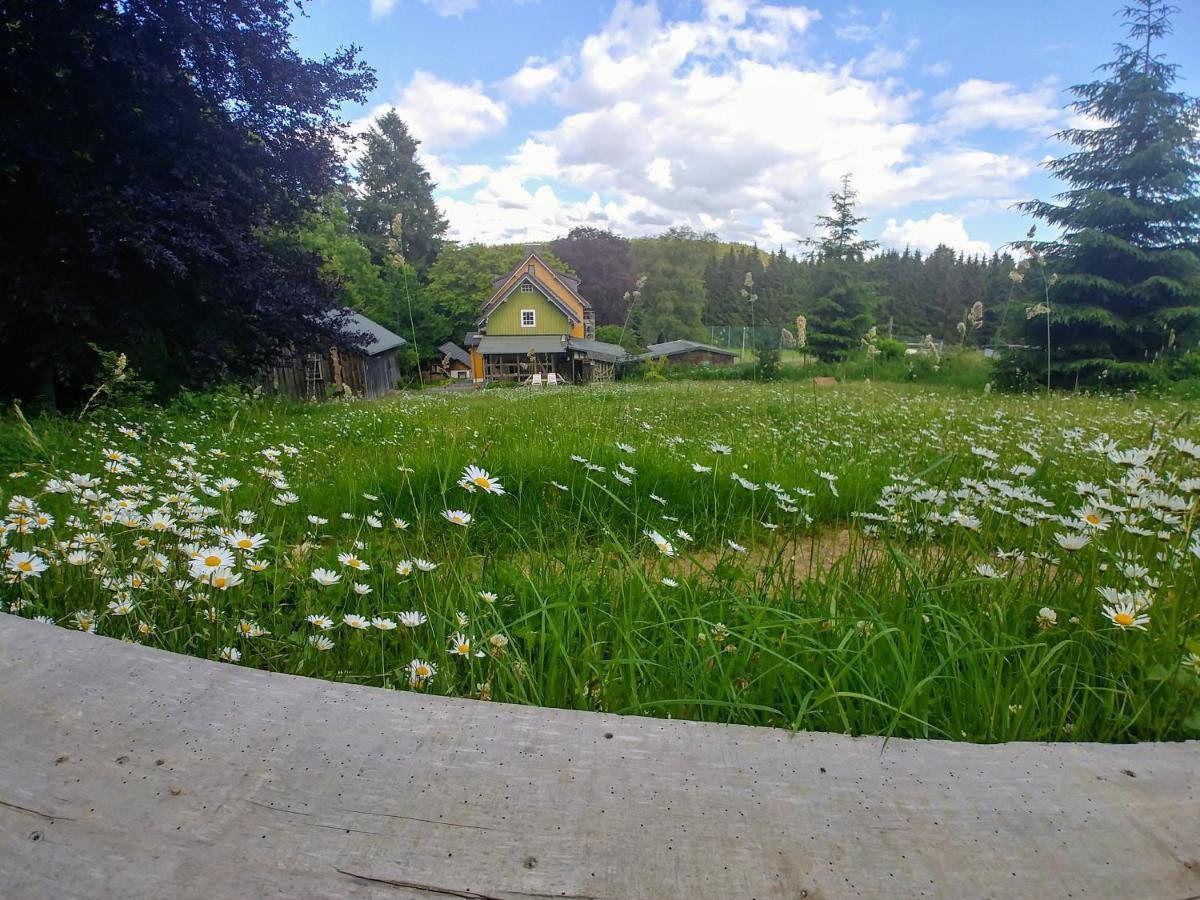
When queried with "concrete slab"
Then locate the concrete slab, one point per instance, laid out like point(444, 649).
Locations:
point(130, 772)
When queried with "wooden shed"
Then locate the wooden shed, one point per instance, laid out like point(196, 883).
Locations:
point(318, 375)
point(690, 353)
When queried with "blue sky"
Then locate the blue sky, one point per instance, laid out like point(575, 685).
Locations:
point(735, 116)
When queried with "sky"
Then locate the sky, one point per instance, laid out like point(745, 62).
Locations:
point(733, 116)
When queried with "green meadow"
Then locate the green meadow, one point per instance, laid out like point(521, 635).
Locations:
point(869, 559)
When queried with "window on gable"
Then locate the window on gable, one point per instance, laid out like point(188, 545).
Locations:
point(527, 288)
point(528, 318)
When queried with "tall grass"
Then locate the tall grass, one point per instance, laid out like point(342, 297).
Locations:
point(911, 584)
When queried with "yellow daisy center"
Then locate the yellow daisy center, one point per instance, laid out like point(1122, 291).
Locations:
point(212, 560)
point(1123, 619)
point(1093, 519)
point(25, 566)
point(245, 543)
point(483, 482)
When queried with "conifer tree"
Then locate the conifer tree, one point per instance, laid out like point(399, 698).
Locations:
point(841, 312)
point(1122, 284)
point(396, 214)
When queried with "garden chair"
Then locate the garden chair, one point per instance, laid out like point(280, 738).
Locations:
point(552, 379)
point(537, 379)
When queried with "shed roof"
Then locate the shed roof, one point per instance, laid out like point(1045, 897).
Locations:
point(600, 350)
point(455, 352)
point(674, 348)
point(379, 340)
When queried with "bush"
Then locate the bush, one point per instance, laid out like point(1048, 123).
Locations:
point(890, 349)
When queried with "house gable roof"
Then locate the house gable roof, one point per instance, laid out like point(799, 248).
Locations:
point(503, 288)
point(500, 297)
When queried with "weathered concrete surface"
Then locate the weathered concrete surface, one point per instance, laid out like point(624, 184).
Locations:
point(128, 772)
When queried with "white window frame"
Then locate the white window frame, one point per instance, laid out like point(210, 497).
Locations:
point(532, 323)
point(526, 288)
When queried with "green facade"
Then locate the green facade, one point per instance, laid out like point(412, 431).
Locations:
point(506, 319)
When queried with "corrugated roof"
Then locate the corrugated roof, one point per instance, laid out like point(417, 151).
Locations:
point(673, 348)
point(599, 349)
point(380, 339)
point(455, 352)
point(492, 345)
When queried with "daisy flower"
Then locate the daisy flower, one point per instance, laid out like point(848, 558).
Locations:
point(696, 467)
point(207, 559)
point(402, 524)
point(665, 547)
point(412, 619)
point(322, 622)
point(474, 477)
point(1072, 542)
point(26, 565)
point(424, 565)
point(1126, 616)
point(230, 654)
point(326, 577)
point(457, 517)
point(353, 562)
point(487, 596)
point(320, 642)
point(383, 624)
point(404, 568)
point(356, 621)
point(735, 547)
point(240, 540)
point(420, 672)
point(460, 645)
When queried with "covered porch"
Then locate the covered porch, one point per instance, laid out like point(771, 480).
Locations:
point(572, 360)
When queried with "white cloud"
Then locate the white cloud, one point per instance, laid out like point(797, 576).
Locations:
point(720, 122)
point(976, 103)
point(927, 234)
point(533, 80)
point(380, 8)
point(443, 114)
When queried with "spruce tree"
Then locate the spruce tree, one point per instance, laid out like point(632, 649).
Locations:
point(1122, 282)
point(396, 214)
point(844, 301)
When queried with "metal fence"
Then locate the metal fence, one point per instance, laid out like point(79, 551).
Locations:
point(744, 338)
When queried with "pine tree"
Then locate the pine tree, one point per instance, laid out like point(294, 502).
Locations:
point(396, 214)
point(1122, 283)
point(841, 312)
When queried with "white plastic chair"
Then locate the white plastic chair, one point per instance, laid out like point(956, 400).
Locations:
point(552, 379)
point(537, 379)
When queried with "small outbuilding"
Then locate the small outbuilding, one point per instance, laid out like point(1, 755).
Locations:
point(455, 362)
point(370, 372)
point(690, 353)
